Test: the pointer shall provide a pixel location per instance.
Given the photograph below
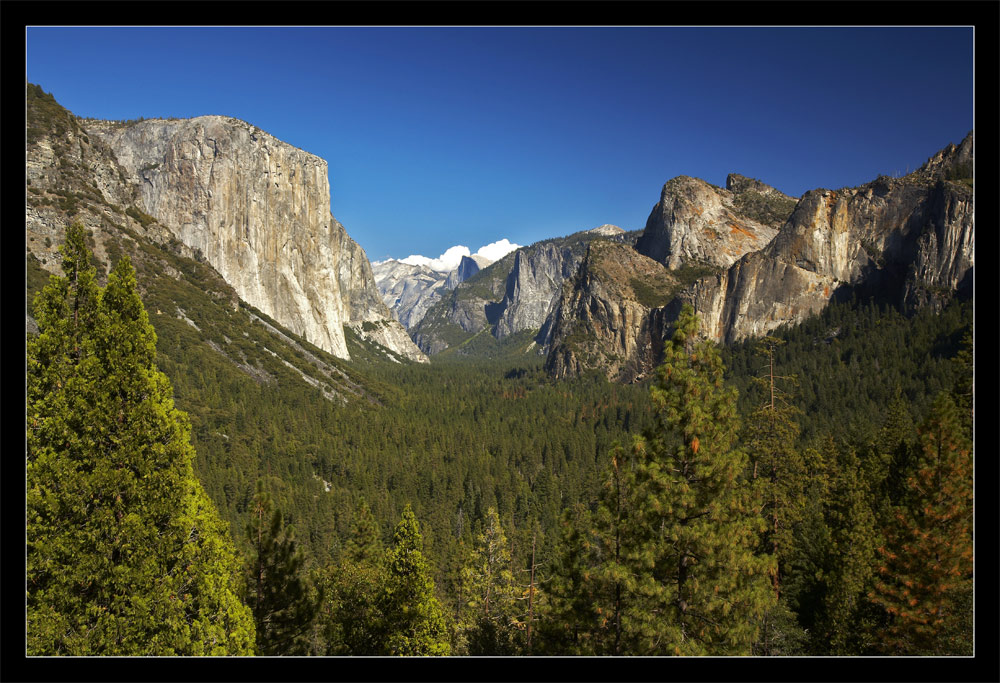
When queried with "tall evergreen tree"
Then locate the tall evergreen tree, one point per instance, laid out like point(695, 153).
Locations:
point(568, 624)
point(700, 587)
point(352, 620)
point(780, 482)
point(414, 619)
point(125, 555)
point(490, 614)
point(365, 542)
point(614, 578)
point(283, 601)
point(925, 575)
point(847, 624)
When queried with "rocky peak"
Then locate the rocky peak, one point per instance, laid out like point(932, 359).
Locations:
point(740, 184)
point(953, 160)
point(533, 286)
point(467, 267)
point(607, 230)
point(608, 316)
point(909, 239)
point(698, 222)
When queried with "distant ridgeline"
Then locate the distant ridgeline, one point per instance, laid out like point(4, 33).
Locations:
point(748, 258)
point(469, 505)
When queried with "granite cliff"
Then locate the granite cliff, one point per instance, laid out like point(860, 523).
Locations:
point(202, 325)
point(515, 295)
point(258, 210)
point(409, 290)
point(698, 222)
point(607, 317)
point(911, 240)
point(747, 270)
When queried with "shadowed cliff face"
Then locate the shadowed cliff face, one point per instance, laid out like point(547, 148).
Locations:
point(608, 316)
point(908, 240)
point(258, 209)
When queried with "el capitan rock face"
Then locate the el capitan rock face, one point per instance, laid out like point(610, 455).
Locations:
point(258, 209)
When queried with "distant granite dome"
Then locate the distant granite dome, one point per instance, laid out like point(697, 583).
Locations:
point(607, 230)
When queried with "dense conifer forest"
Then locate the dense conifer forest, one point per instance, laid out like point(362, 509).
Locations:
point(809, 493)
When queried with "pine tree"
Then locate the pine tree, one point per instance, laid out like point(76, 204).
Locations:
point(847, 625)
point(490, 593)
point(964, 390)
point(614, 578)
point(780, 481)
point(925, 576)
point(894, 453)
point(568, 624)
point(414, 619)
point(365, 542)
point(700, 587)
point(284, 603)
point(352, 622)
point(125, 556)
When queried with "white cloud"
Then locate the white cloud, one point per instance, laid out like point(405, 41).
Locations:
point(445, 263)
point(497, 250)
point(449, 260)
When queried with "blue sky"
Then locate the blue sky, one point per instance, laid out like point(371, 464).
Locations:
point(464, 136)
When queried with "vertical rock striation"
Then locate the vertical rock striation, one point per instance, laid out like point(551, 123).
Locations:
point(258, 209)
point(909, 241)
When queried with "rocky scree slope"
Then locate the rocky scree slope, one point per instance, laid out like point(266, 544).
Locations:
point(258, 210)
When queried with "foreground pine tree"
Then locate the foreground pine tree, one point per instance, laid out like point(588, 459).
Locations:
point(351, 619)
point(284, 603)
point(491, 608)
point(414, 620)
point(700, 589)
point(925, 576)
point(571, 622)
point(125, 554)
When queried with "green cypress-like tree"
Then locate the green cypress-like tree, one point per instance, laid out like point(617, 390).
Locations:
point(491, 610)
point(701, 589)
point(414, 621)
point(284, 603)
point(365, 542)
point(125, 556)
